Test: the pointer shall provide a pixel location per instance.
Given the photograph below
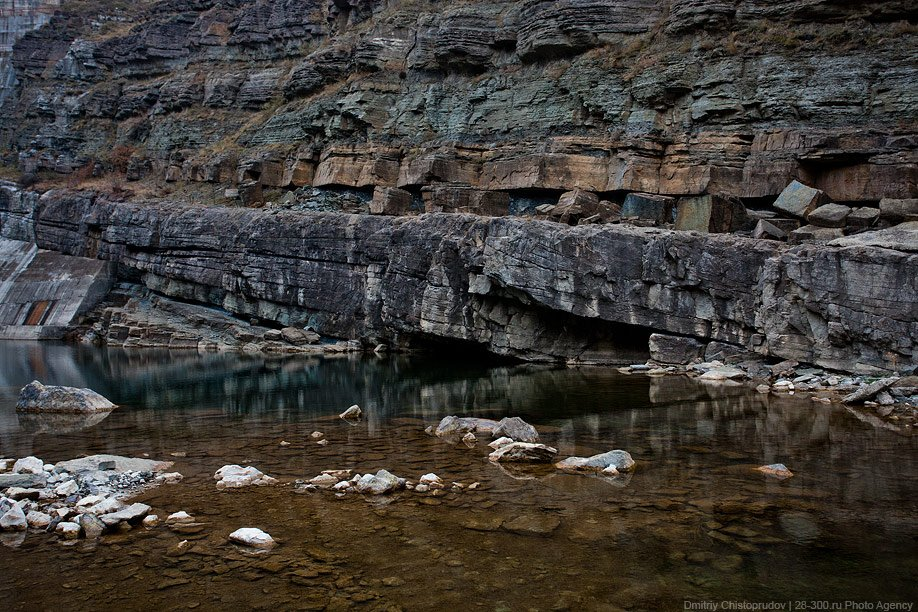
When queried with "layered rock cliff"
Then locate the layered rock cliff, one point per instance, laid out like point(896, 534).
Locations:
point(528, 98)
point(529, 289)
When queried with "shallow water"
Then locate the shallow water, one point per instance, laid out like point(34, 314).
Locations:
point(695, 523)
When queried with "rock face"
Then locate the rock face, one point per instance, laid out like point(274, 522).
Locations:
point(537, 290)
point(474, 101)
point(36, 397)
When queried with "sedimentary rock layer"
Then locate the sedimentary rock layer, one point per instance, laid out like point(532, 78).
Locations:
point(536, 290)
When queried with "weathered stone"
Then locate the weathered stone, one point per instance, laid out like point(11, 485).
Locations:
point(300, 337)
point(455, 426)
point(29, 465)
point(379, 484)
point(800, 200)
point(132, 514)
point(610, 462)
point(864, 216)
point(14, 519)
point(899, 209)
point(776, 470)
point(710, 213)
point(865, 393)
point(517, 429)
point(811, 234)
point(495, 444)
point(830, 215)
point(674, 349)
point(68, 530)
point(38, 520)
point(767, 230)
point(36, 397)
point(648, 206)
point(93, 527)
point(250, 536)
point(463, 198)
point(236, 476)
point(523, 452)
point(352, 413)
point(391, 201)
point(115, 463)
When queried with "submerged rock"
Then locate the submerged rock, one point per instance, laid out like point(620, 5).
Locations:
point(256, 538)
point(236, 476)
point(36, 397)
point(524, 452)
point(776, 470)
point(611, 462)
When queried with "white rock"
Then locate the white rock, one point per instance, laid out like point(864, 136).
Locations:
point(131, 514)
point(179, 517)
point(63, 512)
point(170, 478)
point(380, 483)
point(48, 467)
point(14, 519)
point(106, 506)
point(150, 521)
point(70, 531)
point(256, 538)
point(29, 465)
point(422, 488)
point(469, 438)
point(38, 520)
point(524, 452)
point(324, 481)
point(618, 460)
point(353, 412)
point(429, 479)
point(500, 442)
point(344, 485)
point(322, 442)
point(89, 500)
point(317, 435)
point(235, 476)
point(66, 488)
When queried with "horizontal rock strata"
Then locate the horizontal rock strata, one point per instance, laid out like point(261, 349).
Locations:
point(535, 290)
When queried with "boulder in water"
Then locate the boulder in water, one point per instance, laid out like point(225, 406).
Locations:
point(38, 398)
point(523, 452)
point(612, 462)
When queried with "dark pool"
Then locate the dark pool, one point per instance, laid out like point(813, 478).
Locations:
point(695, 525)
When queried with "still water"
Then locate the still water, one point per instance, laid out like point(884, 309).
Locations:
point(694, 524)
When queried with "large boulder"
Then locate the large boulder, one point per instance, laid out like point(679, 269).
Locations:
point(799, 200)
point(300, 337)
point(36, 397)
point(711, 214)
point(649, 207)
point(29, 465)
point(614, 461)
point(523, 452)
point(517, 429)
point(674, 349)
point(457, 426)
point(899, 210)
point(380, 483)
point(829, 215)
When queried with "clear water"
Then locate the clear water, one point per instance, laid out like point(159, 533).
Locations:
point(695, 523)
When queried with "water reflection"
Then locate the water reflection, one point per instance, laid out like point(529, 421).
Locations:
point(694, 520)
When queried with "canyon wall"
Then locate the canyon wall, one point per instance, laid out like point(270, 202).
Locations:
point(529, 98)
point(536, 290)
